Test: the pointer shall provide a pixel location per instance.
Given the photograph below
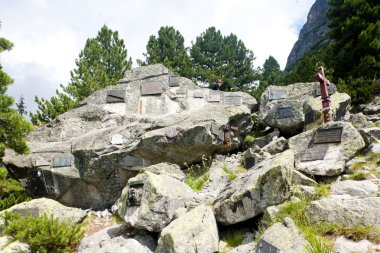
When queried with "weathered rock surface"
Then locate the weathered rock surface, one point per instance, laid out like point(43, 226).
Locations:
point(346, 210)
point(171, 170)
point(292, 108)
point(355, 188)
point(193, 232)
point(285, 237)
point(342, 245)
point(266, 184)
point(85, 156)
point(38, 207)
point(336, 153)
point(117, 238)
point(245, 248)
point(301, 179)
point(6, 246)
point(149, 201)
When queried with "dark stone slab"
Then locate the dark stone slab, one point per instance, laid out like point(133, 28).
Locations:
point(249, 162)
point(328, 135)
point(309, 118)
point(284, 112)
point(198, 94)
point(213, 96)
point(317, 152)
point(265, 247)
point(151, 88)
point(276, 94)
point(231, 98)
point(64, 161)
point(115, 96)
point(135, 192)
point(174, 81)
point(131, 161)
point(331, 89)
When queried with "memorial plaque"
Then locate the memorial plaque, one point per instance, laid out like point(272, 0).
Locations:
point(40, 161)
point(284, 112)
point(131, 161)
point(230, 98)
point(174, 81)
point(328, 135)
point(276, 94)
point(64, 161)
point(265, 247)
point(198, 94)
point(151, 88)
point(309, 118)
point(117, 139)
point(115, 96)
point(215, 129)
point(213, 96)
point(249, 162)
point(135, 192)
point(317, 152)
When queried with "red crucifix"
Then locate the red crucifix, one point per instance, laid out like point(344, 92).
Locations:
point(326, 101)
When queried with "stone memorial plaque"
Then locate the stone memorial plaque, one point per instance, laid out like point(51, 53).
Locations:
point(117, 139)
point(309, 118)
point(328, 135)
point(198, 94)
point(174, 81)
point(24, 212)
point(40, 161)
point(64, 161)
point(230, 98)
point(115, 96)
point(265, 247)
point(213, 96)
point(276, 94)
point(151, 88)
point(249, 162)
point(135, 192)
point(131, 161)
point(317, 152)
point(284, 112)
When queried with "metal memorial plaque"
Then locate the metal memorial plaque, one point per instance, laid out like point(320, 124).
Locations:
point(64, 161)
point(198, 94)
point(265, 247)
point(115, 96)
point(328, 135)
point(131, 161)
point(309, 118)
point(151, 88)
point(134, 194)
point(117, 139)
point(285, 112)
point(230, 98)
point(174, 81)
point(276, 94)
point(317, 152)
point(213, 96)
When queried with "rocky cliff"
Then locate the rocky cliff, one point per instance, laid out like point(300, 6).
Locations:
point(313, 32)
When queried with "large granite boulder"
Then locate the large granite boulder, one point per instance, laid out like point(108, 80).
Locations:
point(195, 231)
point(324, 151)
point(266, 184)
point(343, 245)
point(149, 200)
point(361, 189)
point(7, 245)
point(85, 156)
point(295, 107)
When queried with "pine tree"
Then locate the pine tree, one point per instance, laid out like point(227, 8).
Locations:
point(101, 63)
point(21, 107)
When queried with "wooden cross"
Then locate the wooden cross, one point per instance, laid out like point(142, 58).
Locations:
point(326, 101)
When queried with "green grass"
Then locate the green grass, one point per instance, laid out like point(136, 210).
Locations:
point(249, 139)
point(231, 175)
point(322, 190)
point(358, 165)
point(198, 174)
point(233, 238)
point(359, 176)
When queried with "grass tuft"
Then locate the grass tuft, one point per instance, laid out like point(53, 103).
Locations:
point(198, 174)
point(231, 175)
point(233, 238)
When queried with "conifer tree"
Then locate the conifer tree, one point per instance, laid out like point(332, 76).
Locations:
point(21, 107)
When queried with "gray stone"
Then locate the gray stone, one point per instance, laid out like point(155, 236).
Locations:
point(262, 141)
point(195, 231)
point(276, 94)
point(266, 184)
point(145, 72)
point(151, 88)
point(213, 96)
point(131, 161)
point(171, 170)
point(245, 248)
point(198, 94)
point(276, 146)
point(40, 161)
point(9, 246)
point(301, 179)
point(355, 188)
point(343, 245)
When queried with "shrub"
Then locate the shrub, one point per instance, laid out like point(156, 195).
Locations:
point(198, 174)
point(43, 234)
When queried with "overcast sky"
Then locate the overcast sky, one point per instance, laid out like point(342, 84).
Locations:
point(49, 34)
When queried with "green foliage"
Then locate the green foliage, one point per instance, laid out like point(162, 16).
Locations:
point(198, 174)
point(11, 191)
point(168, 48)
point(215, 56)
point(322, 190)
point(13, 127)
point(249, 139)
point(231, 175)
point(317, 245)
point(43, 234)
point(101, 63)
point(21, 107)
point(359, 176)
point(233, 238)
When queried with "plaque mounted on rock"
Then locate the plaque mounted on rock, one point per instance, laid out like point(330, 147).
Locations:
point(284, 112)
point(64, 161)
point(232, 98)
point(265, 247)
point(249, 162)
point(151, 88)
point(317, 152)
point(328, 135)
point(115, 96)
point(213, 96)
point(40, 161)
point(276, 94)
point(117, 139)
point(309, 118)
point(174, 81)
point(198, 94)
point(131, 161)
point(135, 192)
